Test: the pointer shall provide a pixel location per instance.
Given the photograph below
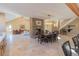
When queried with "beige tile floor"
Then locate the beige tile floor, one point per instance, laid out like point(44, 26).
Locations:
point(23, 46)
point(67, 37)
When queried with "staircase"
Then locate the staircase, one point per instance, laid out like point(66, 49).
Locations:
point(66, 22)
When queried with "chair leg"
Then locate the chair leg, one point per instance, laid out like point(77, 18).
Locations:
point(40, 42)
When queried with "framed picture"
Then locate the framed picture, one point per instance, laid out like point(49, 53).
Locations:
point(38, 23)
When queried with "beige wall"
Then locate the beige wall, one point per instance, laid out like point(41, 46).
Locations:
point(50, 25)
point(76, 26)
point(76, 23)
point(16, 23)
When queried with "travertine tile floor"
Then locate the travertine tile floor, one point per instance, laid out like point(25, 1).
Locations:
point(26, 46)
point(67, 37)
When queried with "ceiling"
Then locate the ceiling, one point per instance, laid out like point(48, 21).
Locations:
point(38, 10)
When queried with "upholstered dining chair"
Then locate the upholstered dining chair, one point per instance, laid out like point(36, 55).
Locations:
point(68, 51)
point(75, 41)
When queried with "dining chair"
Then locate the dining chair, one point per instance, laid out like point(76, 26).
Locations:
point(68, 51)
point(67, 48)
point(75, 41)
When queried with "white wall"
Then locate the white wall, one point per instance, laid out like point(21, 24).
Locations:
point(2, 22)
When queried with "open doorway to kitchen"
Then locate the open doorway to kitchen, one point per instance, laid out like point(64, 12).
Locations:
point(20, 26)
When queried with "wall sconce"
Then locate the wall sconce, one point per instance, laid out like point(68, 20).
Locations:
point(55, 25)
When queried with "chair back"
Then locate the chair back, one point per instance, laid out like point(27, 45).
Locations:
point(75, 41)
point(78, 35)
point(67, 48)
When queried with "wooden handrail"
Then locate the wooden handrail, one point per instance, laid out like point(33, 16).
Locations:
point(74, 7)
